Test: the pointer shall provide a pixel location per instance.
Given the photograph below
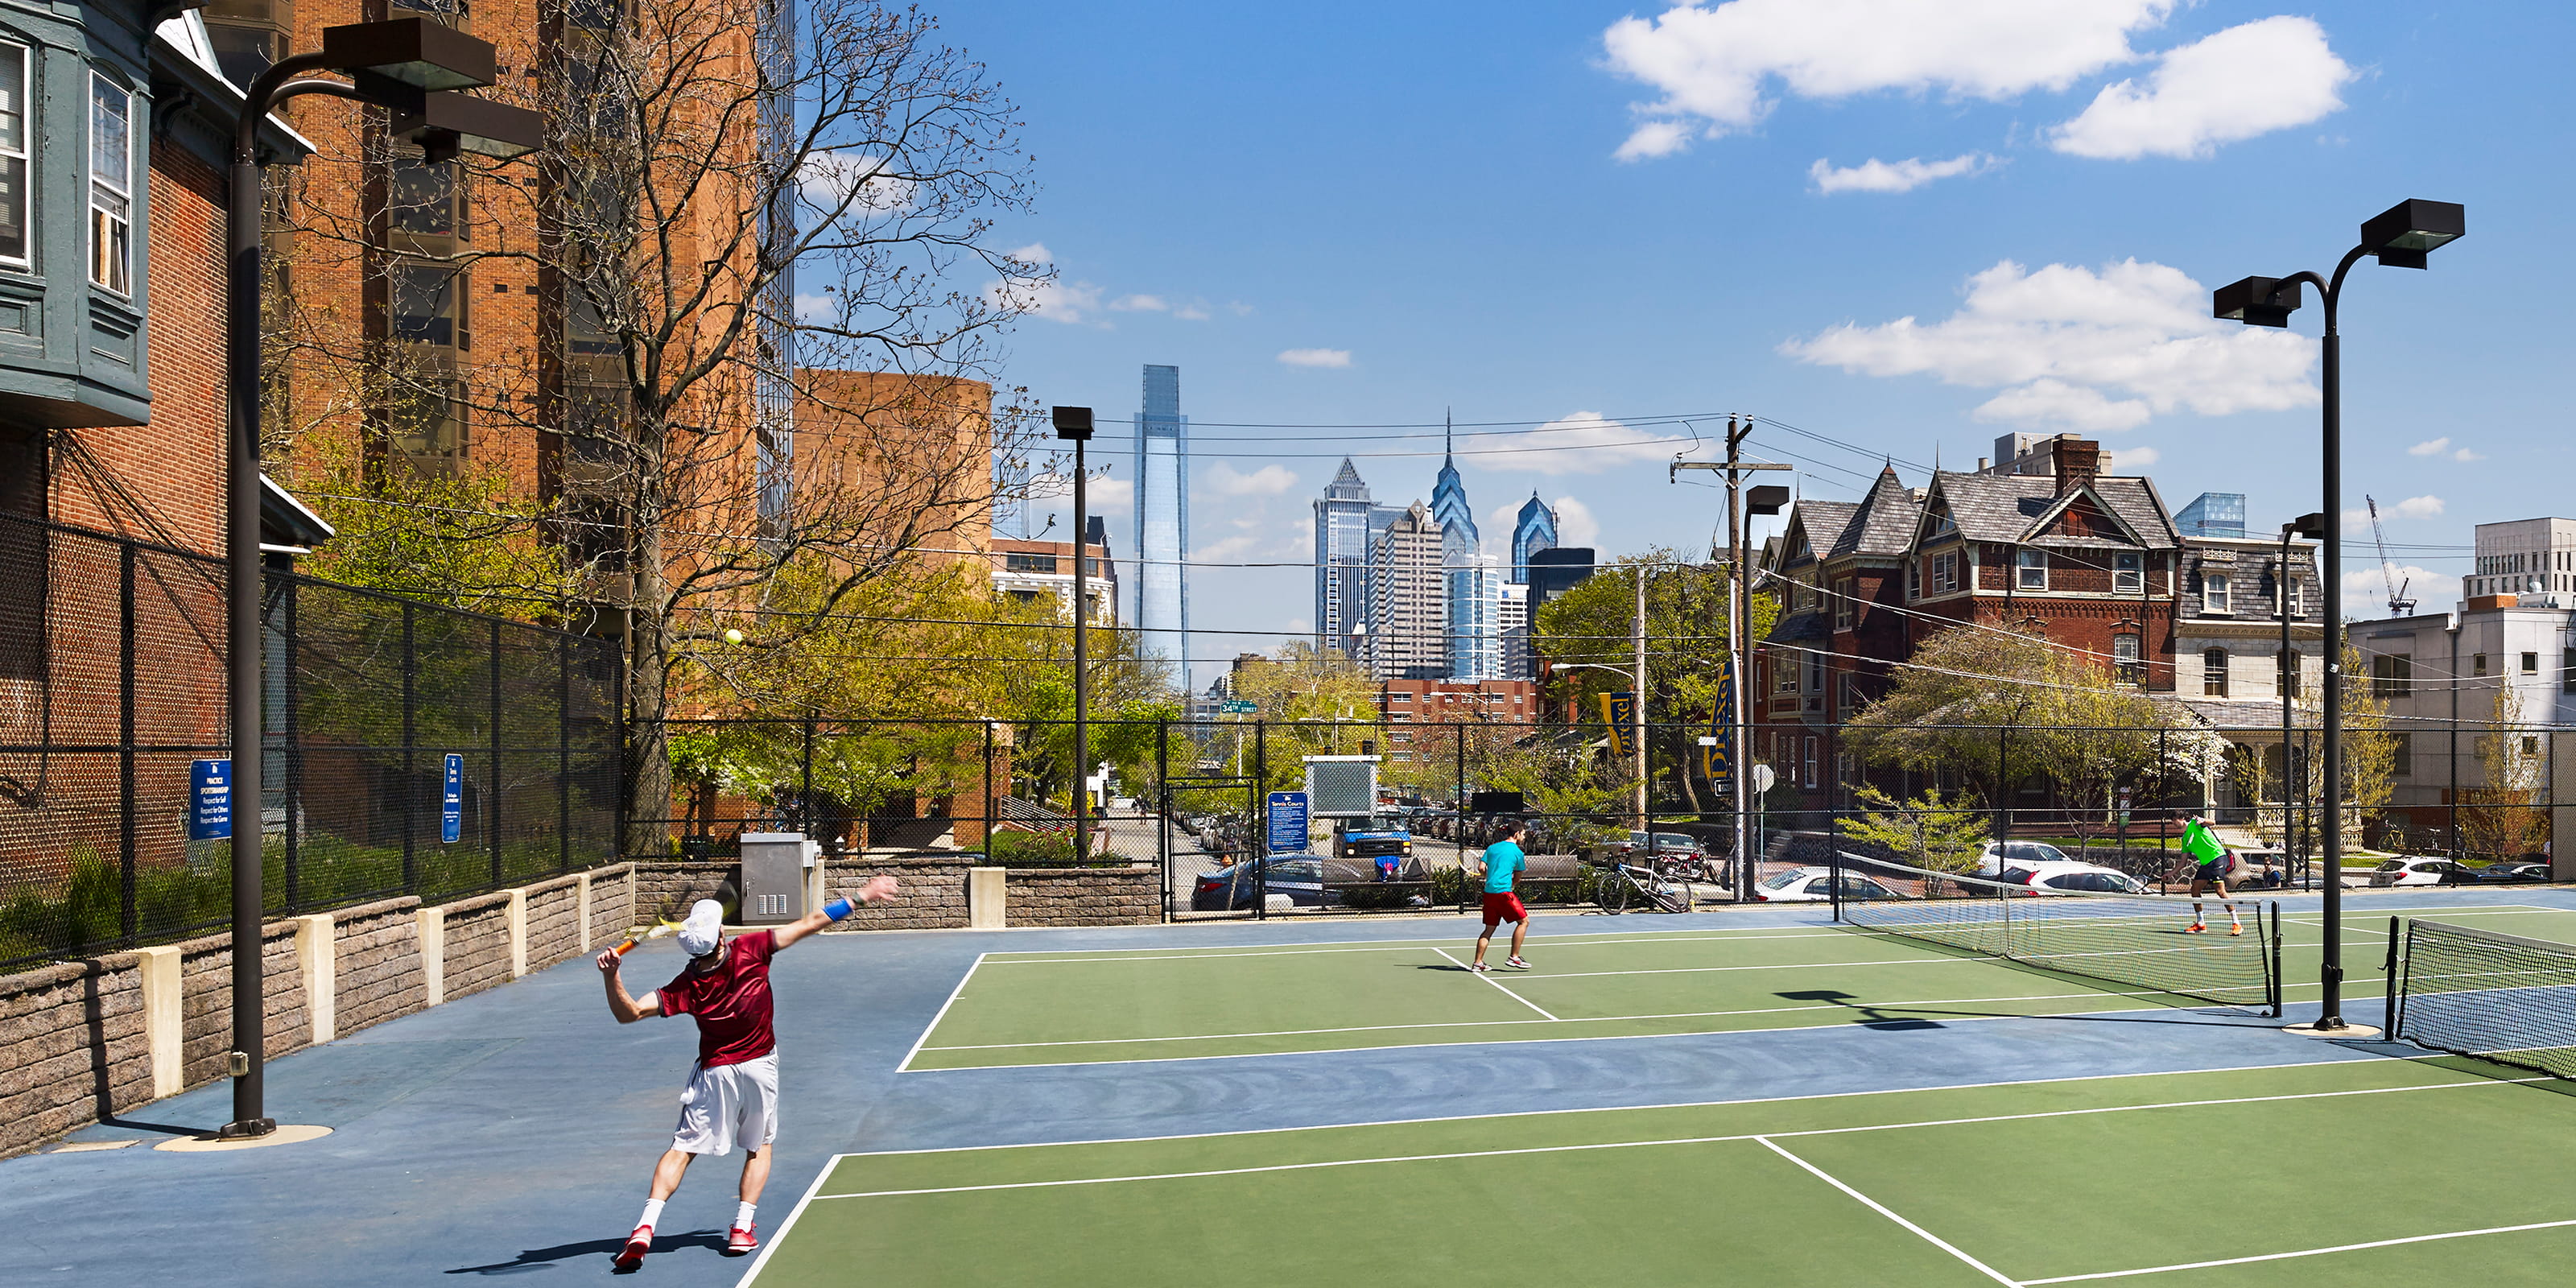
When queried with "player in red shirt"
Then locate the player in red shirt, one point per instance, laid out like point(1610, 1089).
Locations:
point(733, 1088)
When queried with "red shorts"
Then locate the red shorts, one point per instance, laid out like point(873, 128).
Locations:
point(1504, 907)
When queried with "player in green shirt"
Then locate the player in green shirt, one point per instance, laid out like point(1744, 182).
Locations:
point(2210, 862)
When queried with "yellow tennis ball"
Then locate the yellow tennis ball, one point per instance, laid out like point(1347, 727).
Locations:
point(733, 636)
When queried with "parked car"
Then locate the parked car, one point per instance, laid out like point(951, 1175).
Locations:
point(2070, 877)
point(2514, 870)
point(1998, 855)
point(1816, 885)
point(1300, 877)
point(2423, 872)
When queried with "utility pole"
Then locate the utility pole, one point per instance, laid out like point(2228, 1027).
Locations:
point(1637, 714)
point(1739, 629)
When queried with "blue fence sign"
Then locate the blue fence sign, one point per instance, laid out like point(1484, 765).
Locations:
point(451, 801)
point(210, 800)
point(1287, 822)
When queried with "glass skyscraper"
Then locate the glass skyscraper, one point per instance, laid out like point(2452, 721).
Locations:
point(1473, 592)
point(1533, 532)
point(1342, 532)
point(1163, 521)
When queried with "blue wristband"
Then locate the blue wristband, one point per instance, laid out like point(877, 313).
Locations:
point(837, 909)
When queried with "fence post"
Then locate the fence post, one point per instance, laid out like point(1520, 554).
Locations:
point(805, 811)
point(1163, 810)
point(493, 815)
point(988, 791)
point(293, 751)
point(563, 763)
point(2003, 788)
point(127, 824)
point(410, 789)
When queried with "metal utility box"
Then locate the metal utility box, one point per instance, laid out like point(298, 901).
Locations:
point(774, 886)
point(1342, 786)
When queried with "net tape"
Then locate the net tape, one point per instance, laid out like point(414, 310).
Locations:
point(2137, 940)
point(2498, 997)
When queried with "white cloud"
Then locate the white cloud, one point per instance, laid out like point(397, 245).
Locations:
point(2465, 454)
point(1583, 442)
point(1575, 525)
point(1269, 480)
point(852, 183)
point(1140, 304)
point(2419, 507)
point(1191, 313)
point(2078, 348)
point(1875, 175)
point(1716, 64)
point(2365, 589)
point(2133, 459)
point(1034, 253)
point(1058, 300)
point(2356, 521)
point(1316, 357)
point(2244, 81)
point(1104, 495)
point(2431, 447)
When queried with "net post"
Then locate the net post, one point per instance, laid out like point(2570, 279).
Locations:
point(2391, 982)
point(2273, 965)
point(1834, 867)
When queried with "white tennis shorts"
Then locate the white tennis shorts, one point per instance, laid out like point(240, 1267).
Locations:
point(729, 1105)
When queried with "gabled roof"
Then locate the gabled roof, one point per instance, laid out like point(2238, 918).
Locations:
point(1821, 521)
point(2016, 508)
point(1884, 522)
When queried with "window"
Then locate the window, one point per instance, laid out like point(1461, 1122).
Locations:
point(2286, 673)
point(427, 305)
point(1913, 580)
point(423, 198)
point(2128, 573)
point(2213, 673)
point(1400, 699)
point(1810, 779)
point(2531, 664)
point(2126, 660)
point(422, 417)
point(14, 207)
point(2214, 596)
point(1945, 572)
point(2031, 567)
point(248, 35)
point(1816, 673)
point(1843, 603)
point(1028, 563)
point(1023, 596)
point(2477, 663)
point(2298, 598)
point(2401, 760)
point(1851, 700)
point(1804, 597)
point(1787, 671)
point(111, 162)
point(2567, 672)
point(2531, 744)
point(2392, 675)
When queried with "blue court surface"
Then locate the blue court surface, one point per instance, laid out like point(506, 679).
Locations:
point(1117, 1106)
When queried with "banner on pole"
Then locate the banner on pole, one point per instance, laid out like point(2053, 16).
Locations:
point(1619, 711)
point(1717, 752)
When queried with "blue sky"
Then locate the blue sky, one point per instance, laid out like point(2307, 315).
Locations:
point(1331, 214)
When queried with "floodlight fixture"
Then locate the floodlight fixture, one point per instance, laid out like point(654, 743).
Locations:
point(417, 52)
point(1073, 424)
point(2404, 233)
point(2255, 301)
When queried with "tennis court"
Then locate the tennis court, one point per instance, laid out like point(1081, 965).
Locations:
point(2207, 1178)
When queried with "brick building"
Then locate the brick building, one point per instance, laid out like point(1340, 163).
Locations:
point(1504, 703)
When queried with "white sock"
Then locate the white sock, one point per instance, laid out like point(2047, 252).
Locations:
point(742, 1219)
point(652, 1213)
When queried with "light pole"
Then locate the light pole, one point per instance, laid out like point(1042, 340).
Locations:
point(1766, 499)
point(409, 65)
point(2401, 237)
point(1073, 425)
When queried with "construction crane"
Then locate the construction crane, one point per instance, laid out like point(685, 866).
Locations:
point(2398, 604)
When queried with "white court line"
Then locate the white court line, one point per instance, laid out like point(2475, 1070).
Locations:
point(1406, 945)
point(1704, 970)
point(1488, 977)
point(779, 1235)
point(1596, 1146)
point(1883, 1210)
point(1582, 1019)
point(2309, 1252)
point(1631, 1109)
point(906, 1062)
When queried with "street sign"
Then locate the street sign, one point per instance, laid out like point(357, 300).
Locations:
point(1763, 778)
point(451, 802)
point(1239, 707)
point(1288, 823)
point(210, 800)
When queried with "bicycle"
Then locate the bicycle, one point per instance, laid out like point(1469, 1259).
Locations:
point(1621, 887)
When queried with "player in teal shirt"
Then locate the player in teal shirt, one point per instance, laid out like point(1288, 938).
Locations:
point(2210, 862)
point(1504, 862)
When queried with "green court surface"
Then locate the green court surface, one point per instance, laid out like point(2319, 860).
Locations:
point(1019, 1009)
point(2354, 1171)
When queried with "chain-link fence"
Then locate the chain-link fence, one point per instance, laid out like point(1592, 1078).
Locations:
point(112, 693)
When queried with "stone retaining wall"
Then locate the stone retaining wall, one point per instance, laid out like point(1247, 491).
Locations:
point(1083, 896)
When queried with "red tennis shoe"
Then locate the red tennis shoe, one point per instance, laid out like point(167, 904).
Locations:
point(637, 1244)
point(741, 1241)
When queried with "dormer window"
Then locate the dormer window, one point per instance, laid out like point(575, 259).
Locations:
point(2214, 593)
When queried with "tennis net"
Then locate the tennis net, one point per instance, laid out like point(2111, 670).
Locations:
point(2113, 934)
point(2498, 997)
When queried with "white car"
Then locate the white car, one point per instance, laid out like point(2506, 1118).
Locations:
point(2069, 877)
point(1999, 855)
point(1816, 885)
point(2411, 871)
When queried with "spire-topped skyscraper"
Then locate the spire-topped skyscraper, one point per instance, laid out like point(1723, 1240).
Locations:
point(1342, 533)
point(1473, 591)
point(1163, 522)
point(1534, 531)
point(1449, 501)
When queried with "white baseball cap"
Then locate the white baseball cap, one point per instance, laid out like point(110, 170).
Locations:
point(703, 929)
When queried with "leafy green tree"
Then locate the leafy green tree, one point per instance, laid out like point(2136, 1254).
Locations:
point(1942, 834)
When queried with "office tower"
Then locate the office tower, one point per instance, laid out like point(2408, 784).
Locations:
point(1408, 615)
point(1512, 625)
point(1469, 608)
point(2212, 514)
point(1534, 531)
point(1163, 522)
point(1341, 557)
point(1554, 572)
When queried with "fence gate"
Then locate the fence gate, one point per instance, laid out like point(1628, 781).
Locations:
point(1210, 831)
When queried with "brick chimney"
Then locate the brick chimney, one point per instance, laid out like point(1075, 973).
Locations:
point(2075, 461)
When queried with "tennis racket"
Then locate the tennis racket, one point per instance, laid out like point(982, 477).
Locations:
point(641, 933)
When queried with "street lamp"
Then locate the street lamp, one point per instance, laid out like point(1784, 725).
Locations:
point(413, 66)
point(1073, 425)
point(2400, 236)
